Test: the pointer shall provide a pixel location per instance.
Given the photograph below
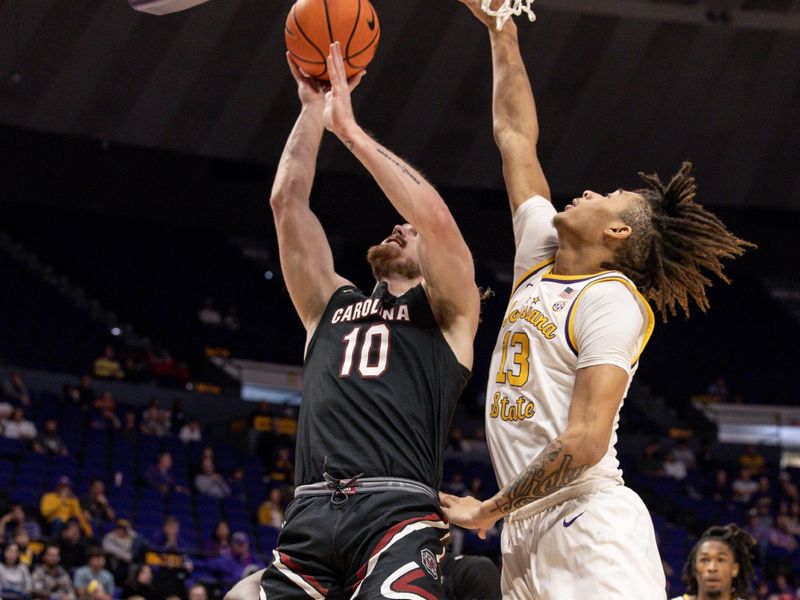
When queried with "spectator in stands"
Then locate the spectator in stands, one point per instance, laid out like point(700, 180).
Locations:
point(208, 314)
point(475, 488)
point(50, 581)
point(238, 484)
point(86, 391)
point(130, 430)
point(17, 427)
point(456, 442)
point(49, 440)
point(191, 432)
point(16, 519)
point(456, 485)
point(220, 542)
point(107, 366)
point(282, 470)
point(780, 537)
point(271, 511)
point(170, 536)
point(241, 561)
point(719, 389)
point(718, 490)
point(121, 545)
point(15, 390)
point(154, 421)
point(177, 418)
point(783, 589)
point(59, 506)
point(789, 491)
point(15, 578)
point(140, 583)
point(719, 565)
point(27, 553)
point(744, 487)
point(92, 581)
point(684, 454)
point(73, 545)
point(674, 468)
point(161, 477)
point(650, 462)
point(753, 461)
point(198, 592)
point(95, 504)
point(793, 518)
point(210, 483)
point(103, 415)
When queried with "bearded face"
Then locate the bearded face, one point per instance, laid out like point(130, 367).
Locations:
point(396, 256)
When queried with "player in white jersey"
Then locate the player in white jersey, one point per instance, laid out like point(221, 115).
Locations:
point(569, 344)
point(719, 566)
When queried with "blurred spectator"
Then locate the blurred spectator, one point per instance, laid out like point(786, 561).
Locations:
point(16, 519)
point(154, 422)
point(753, 461)
point(783, 589)
point(231, 320)
point(220, 542)
point(95, 504)
point(15, 390)
point(191, 432)
point(73, 545)
point(240, 562)
point(15, 578)
point(208, 314)
point(177, 418)
point(175, 565)
point(130, 431)
point(140, 583)
point(161, 477)
point(456, 484)
point(27, 552)
point(50, 581)
point(107, 366)
point(719, 389)
point(49, 440)
point(121, 545)
point(455, 441)
point(198, 592)
point(17, 427)
point(271, 511)
point(59, 506)
point(744, 487)
point(238, 484)
point(103, 416)
point(282, 470)
point(780, 537)
point(92, 581)
point(86, 391)
point(788, 491)
point(673, 468)
point(718, 490)
point(650, 462)
point(793, 518)
point(210, 483)
point(475, 488)
point(684, 454)
point(170, 536)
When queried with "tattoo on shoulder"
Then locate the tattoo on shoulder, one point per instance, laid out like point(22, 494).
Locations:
point(398, 164)
point(550, 471)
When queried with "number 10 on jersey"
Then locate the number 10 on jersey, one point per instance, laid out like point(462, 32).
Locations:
point(369, 365)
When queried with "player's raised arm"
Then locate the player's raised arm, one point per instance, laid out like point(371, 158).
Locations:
point(515, 123)
point(445, 260)
point(306, 258)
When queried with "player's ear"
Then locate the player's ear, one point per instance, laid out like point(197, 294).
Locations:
point(735, 570)
point(618, 231)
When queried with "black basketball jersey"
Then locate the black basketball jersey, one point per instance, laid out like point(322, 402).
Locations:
point(380, 386)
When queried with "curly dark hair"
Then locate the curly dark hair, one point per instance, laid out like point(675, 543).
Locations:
point(674, 243)
point(739, 541)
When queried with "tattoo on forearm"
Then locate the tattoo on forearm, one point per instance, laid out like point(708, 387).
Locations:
point(399, 165)
point(547, 473)
point(349, 145)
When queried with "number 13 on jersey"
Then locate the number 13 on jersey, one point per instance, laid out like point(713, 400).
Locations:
point(516, 353)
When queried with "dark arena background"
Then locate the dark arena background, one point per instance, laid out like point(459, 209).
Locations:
point(143, 313)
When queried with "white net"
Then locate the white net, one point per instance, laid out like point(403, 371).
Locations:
point(508, 9)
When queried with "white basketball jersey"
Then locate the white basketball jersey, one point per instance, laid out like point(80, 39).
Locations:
point(555, 324)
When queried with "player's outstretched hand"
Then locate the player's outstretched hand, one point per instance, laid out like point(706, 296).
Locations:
point(311, 91)
point(467, 512)
point(338, 108)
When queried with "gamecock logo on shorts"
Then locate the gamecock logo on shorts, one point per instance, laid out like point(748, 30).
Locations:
point(430, 563)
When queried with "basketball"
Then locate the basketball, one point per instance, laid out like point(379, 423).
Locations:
point(313, 25)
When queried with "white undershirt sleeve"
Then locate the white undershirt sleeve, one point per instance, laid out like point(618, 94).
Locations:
point(534, 235)
point(609, 326)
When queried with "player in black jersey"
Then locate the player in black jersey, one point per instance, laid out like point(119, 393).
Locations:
point(382, 374)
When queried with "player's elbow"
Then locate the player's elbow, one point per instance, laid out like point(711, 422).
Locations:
point(510, 134)
point(588, 445)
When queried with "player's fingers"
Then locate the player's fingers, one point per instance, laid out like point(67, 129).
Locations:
point(293, 67)
point(336, 78)
point(482, 534)
point(338, 63)
point(355, 80)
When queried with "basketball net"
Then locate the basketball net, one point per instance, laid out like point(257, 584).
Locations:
point(508, 9)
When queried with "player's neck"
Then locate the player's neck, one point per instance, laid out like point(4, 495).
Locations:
point(714, 595)
point(398, 286)
point(580, 260)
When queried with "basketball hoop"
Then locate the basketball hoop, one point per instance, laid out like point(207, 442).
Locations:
point(508, 9)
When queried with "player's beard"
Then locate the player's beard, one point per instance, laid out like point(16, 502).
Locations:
point(386, 262)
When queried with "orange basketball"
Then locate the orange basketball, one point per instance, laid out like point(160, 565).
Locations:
point(313, 25)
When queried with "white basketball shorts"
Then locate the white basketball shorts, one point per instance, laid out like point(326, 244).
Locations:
point(600, 545)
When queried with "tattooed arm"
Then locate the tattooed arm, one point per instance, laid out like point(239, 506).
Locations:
point(595, 400)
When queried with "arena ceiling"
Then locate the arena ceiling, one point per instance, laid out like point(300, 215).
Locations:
point(622, 85)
